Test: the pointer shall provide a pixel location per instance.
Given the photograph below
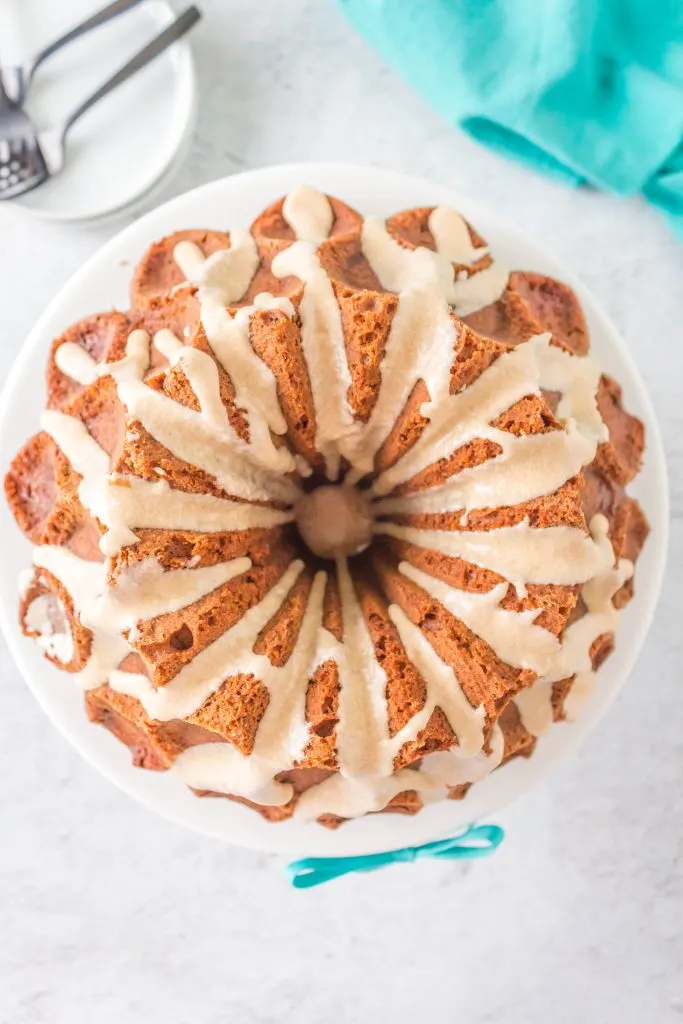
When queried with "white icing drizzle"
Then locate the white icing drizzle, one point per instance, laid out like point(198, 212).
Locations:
point(254, 383)
point(470, 294)
point(528, 467)
point(308, 213)
point(141, 504)
point(202, 373)
point(167, 343)
point(577, 379)
point(84, 454)
point(78, 364)
point(138, 594)
point(38, 619)
point(145, 591)
point(443, 690)
point(282, 734)
point(457, 419)
point(582, 687)
point(512, 636)
point(535, 708)
point(353, 797)
point(420, 346)
point(192, 437)
point(362, 694)
point(202, 676)
point(226, 274)
point(397, 268)
point(572, 658)
point(522, 554)
point(452, 237)
point(322, 340)
point(86, 584)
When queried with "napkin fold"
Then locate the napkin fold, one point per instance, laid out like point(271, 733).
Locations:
point(585, 91)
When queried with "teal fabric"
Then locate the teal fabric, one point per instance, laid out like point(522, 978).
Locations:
point(477, 841)
point(585, 91)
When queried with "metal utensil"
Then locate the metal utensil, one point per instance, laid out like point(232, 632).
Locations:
point(17, 79)
point(29, 157)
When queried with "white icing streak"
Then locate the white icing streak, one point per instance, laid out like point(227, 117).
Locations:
point(167, 343)
point(85, 582)
point(139, 504)
point(457, 419)
point(194, 439)
point(443, 690)
point(226, 274)
point(362, 695)
point(522, 554)
point(452, 237)
point(602, 616)
point(228, 655)
point(85, 456)
point(469, 294)
point(540, 463)
point(308, 213)
point(145, 590)
point(512, 636)
point(399, 268)
point(38, 619)
point(573, 658)
point(322, 340)
point(535, 707)
point(421, 346)
point(75, 362)
point(282, 734)
point(202, 374)
point(351, 798)
point(254, 383)
point(582, 687)
point(528, 467)
point(577, 379)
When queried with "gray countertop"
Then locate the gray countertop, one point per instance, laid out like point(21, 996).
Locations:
point(109, 914)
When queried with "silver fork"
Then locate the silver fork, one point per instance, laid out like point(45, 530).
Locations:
point(29, 157)
point(17, 79)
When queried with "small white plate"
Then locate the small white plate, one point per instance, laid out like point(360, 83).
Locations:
point(102, 283)
point(129, 142)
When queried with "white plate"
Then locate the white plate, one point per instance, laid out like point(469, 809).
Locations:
point(103, 282)
point(132, 140)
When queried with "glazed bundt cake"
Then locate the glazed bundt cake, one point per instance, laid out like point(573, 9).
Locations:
point(333, 520)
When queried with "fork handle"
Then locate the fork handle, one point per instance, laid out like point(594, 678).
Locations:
point(174, 31)
point(94, 21)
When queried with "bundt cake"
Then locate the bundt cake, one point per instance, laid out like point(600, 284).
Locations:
point(333, 519)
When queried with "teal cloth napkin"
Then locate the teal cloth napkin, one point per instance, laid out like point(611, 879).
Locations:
point(586, 91)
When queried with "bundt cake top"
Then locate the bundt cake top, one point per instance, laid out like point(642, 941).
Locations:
point(337, 466)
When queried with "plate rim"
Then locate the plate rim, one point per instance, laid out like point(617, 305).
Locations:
point(282, 838)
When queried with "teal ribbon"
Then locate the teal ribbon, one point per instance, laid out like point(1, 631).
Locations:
point(477, 841)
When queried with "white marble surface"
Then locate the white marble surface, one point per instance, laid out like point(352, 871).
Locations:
point(110, 915)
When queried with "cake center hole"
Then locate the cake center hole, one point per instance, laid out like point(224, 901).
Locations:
point(334, 521)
